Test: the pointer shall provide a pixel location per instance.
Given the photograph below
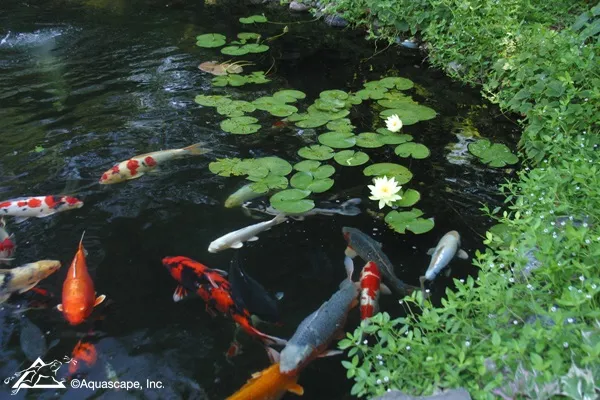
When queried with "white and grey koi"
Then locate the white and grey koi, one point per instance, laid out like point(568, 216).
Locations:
point(347, 208)
point(236, 239)
point(25, 277)
point(447, 248)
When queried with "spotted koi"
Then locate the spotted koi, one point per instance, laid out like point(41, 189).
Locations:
point(25, 277)
point(7, 244)
point(370, 283)
point(139, 165)
point(39, 206)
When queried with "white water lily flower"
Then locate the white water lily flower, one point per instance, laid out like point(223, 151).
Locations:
point(385, 191)
point(393, 123)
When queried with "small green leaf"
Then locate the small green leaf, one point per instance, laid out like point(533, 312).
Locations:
point(38, 149)
point(351, 158)
point(292, 201)
point(316, 152)
point(282, 110)
point(333, 95)
point(416, 150)
point(290, 93)
point(248, 35)
point(212, 101)
point(306, 180)
point(254, 19)
point(409, 198)
point(369, 140)
point(340, 125)
point(224, 166)
point(234, 51)
point(312, 121)
point(307, 165)
point(255, 48)
point(402, 174)
point(495, 155)
point(409, 220)
point(240, 125)
point(276, 165)
point(338, 140)
point(210, 40)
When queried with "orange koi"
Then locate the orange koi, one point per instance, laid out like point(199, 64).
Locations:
point(268, 384)
point(83, 353)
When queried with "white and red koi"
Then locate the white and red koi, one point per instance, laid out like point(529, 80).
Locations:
point(139, 165)
point(370, 285)
point(7, 244)
point(39, 206)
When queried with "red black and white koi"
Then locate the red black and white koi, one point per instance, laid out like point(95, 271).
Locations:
point(7, 244)
point(39, 206)
point(139, 165)
point(370, 286)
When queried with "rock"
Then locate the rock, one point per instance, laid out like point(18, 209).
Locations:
point(336, 21)
point(454, 394)
point(299, 7)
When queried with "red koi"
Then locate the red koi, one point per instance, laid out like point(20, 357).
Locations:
point(84, 353)
point(370, 283)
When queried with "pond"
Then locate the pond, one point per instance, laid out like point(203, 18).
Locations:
point(86, 84)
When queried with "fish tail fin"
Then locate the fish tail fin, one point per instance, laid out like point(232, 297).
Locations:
point(349, 207)
point(267, 339)
point(279, 218)
point(81, 240)
point(196, 149)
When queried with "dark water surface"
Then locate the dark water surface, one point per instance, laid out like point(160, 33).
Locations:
point(96, 82)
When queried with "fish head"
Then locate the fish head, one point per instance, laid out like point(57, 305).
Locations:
point(233, 201)
point(113, 175)
point(216, 246)
point(347, 232)
point(46, 268)
point(76, 314)
point(455, 235)
point(294, 356)
point(69, 203)
point(370, 270)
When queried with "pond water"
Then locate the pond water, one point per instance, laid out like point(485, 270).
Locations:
point(86, 84)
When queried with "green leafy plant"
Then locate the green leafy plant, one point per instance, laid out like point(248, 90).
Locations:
point(495, 155)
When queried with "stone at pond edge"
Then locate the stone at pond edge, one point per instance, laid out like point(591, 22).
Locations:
point(336, 20)
point(453, 394)
point(299, 7)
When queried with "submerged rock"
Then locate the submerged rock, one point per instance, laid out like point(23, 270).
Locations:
point(454, 394)
point(336, 21)
point(299, 7)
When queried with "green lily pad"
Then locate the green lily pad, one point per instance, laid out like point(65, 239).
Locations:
point(225, 167)
point(292, 201)
point(410, 113)
point(409, 220)
point(307, 181)
point(394, 138)
point(315, 168)
point(290, 93)
point(277, 166)
point(373, 94)
point(402, 174)
point(254, 19)
point(282, 110)
point(495, 155)
point(379, 85)
point(324, 171)
point(414, 150)
point(396, 103)
point(255, 48)
point(369, 140)
point(250, 167)
point(235, 108)
point(270, 182)
point(248, 35)
point(234, 50)
point(38, 149)
point(340, 125)
point(334, 95)
point(240, 80)
point(316, 152)
point(210, 40)
point(351, 158)
point(354, 100)
point(338, 140)
point(240, 125)
point(313, 111)
point(312, 121)
point(397, 82)
point(212, 101)
point(266, 102)
point(297, 117)
point(333, 105)
point(409, 198)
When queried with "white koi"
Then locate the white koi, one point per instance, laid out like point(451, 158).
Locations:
point(39, 206)
point(236, 239)
point(447, 248)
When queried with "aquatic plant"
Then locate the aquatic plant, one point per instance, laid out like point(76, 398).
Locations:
point(253, 19)
point(240, 80)
point(385, 191)
point(223, 68)
point(210, 40)
point(495, 155)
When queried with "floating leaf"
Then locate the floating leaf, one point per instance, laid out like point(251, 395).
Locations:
point(296, 94)
point(255, 48)
point(399, 83)
point(253, 19)
point(307, 165)
point(374, 94)
point(240, 125)
point(338, 140)
point(324, 171)
point(234, 50)
point(393, 138)
point(351, 158)
point(414, 150)
point(329, 104)
point(298, 117)
point(409, 198)
point(312, 121)
point(396, 103)
point(252, 168)
point(282, 110)
point(266, 102)
point(402, 174)
point(277, 166)
point(333, 95)
point(369, 140)
point(248, 35)
point(218, 69)
point(307, 181)
point(316, 152)
point(380, 84)
point(240, 80)
point(225, 166)
point(209, 40)
point(313, 111)
point(212, 101)
point(409, 220)
point(410, 113)
point(270, 182)
point(236, 108)
point(496, 155)
point(38, 149)
point(354, 100)
point(340, 125)
point(292, 201)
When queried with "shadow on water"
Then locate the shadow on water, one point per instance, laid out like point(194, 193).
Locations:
point(94, 82)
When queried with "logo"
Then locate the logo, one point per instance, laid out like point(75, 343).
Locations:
point(38, 375)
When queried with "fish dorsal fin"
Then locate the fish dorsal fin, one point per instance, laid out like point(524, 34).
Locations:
point(99, 299)
point(296, 389)
point(59, 307)
point(81, 240)
point(462, 254)
point(430, 251)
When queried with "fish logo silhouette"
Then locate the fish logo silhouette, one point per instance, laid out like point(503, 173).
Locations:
point(38, 375)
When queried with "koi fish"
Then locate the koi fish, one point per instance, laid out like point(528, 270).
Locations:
point(83, 353)
point(191, 274)
point(370, 287)
point(241, 196)
point(139, 165)
point(78, 295)
point(370, 250)
point(25, 277)
point(447, 248)
point(250, 294)
point(317, 331)
point(39, 207)
point(347, 208)
point(235, 349)
point(235, 239)
point(7, 244)
point(268, 384)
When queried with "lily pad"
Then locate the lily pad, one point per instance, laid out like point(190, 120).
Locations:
point(266, 102)
point(240, 80)
point(298, 117)
point(313, 111)
point(236, 108)
point(282, 110)
point(307, 181)
point(495, 155)
point(259, 19)
point(402, 174)
point(234, 50)
point(270, 182)
point(240, 125)
point(292, 201)
point(316, 152)
point(312, 121)
point(340, 125)
point(409, 220)
point(212, 101)
point(338, 140)
point(334, 95)
point(219, 69)
point(373, 94)
point(409, 198)
point(250, 167)
point(397, 82)
point(394, 138)
point(225, 167)
point(296, 94)
point(315, 168)
point(333, 105)
point(210, 40)
point(396, 103)
point(414, 150)
point(255, 48)
point(307, 165)
point(351, 158)
point(369, 140)
point(277, 166)
point(248, 35)
point(410, 113)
